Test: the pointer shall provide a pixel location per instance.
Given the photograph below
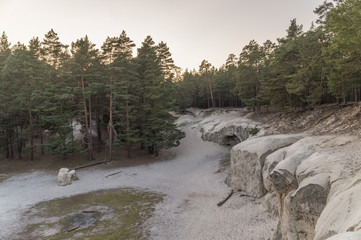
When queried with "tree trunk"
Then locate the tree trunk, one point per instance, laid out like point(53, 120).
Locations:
point(85, 116)
point(90, 131)
point(128, 128)
point(210, 91)
point(85, 110)
point(7, 148)
point(355, 94)
point(110, 126)
point(41, 140)
point(31, 135)
point(99, 132)
point(20, 146)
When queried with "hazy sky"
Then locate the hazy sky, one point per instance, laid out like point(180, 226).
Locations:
point(193, 29)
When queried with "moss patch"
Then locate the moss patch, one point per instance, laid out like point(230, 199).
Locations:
point(109, 214)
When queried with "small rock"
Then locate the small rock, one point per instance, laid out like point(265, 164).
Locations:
point(66, 177)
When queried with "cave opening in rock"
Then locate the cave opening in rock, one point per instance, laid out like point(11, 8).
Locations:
point(231, 140)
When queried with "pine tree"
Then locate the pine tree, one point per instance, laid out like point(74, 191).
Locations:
point(249, 75)
point(342, 23)
point(283, 68)
point(5, 123)
point(58, 108)
point(125, 87)
point(20, 77)
point(158, 129)
point(53, 50)
point(205, 73)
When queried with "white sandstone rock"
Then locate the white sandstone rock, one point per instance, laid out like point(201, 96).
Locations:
point(247, 160)
point(66, 177)
point(346, 236)
point(343, 210)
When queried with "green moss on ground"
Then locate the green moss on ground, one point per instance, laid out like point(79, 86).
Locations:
point(112, 214)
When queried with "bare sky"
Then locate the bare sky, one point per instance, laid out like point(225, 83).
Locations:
point(193, 29)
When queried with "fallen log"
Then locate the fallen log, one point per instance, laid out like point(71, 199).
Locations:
point(89, 211)
point(226, 199)
point(89, 165)
point(113, 174)
point(73, 228)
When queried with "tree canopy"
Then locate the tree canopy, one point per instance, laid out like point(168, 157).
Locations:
point(304, 68)
point(118, 99)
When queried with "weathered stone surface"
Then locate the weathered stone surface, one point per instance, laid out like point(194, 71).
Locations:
point(247, 160)
point(343, 210)
point(270, 163)
point(305, 186)
point(66, 177)
point(302, 207)
point(229, 132)
point(346, 236)
point(284, 174)
point(271, 203)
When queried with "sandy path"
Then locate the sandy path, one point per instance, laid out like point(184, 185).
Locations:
point(189, 181)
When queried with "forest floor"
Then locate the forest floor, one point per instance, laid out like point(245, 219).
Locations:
point(54, 163)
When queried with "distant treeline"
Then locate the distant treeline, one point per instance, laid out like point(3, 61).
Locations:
point(322, 65)
point(44, 88)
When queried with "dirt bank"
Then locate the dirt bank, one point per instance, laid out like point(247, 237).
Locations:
point(320, 120)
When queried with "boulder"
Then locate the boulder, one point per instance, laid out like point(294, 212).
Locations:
point(66, 177)
point(247, 160)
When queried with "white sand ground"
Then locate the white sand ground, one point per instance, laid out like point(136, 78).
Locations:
point(189, 181)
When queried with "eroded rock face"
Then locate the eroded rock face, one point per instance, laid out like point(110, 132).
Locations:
point(230, 135)
point(301, 185)
point(66, 177)
point(301, 208)
point(313, 183)
point(342, 212)
point(304, 180)
point(247, 160)
point(230, 132)
point(346, 236)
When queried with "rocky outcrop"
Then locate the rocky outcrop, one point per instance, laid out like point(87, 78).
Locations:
point(346, 236)
point(247, 160)
point(343, 210)
point(304, 180)
point(312, 183)
point(230, 132)
point(225, 126)
point(66, 177)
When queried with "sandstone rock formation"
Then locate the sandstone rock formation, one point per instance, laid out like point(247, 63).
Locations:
point(313, 183)
point(229, 132)
point(247, 160)
point(66, 177)
point(346, 236)
point(303, 180)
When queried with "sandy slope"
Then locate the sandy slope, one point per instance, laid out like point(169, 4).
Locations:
point(189, 181)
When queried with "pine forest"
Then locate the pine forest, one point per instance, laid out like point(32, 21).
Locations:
point(47, 87)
